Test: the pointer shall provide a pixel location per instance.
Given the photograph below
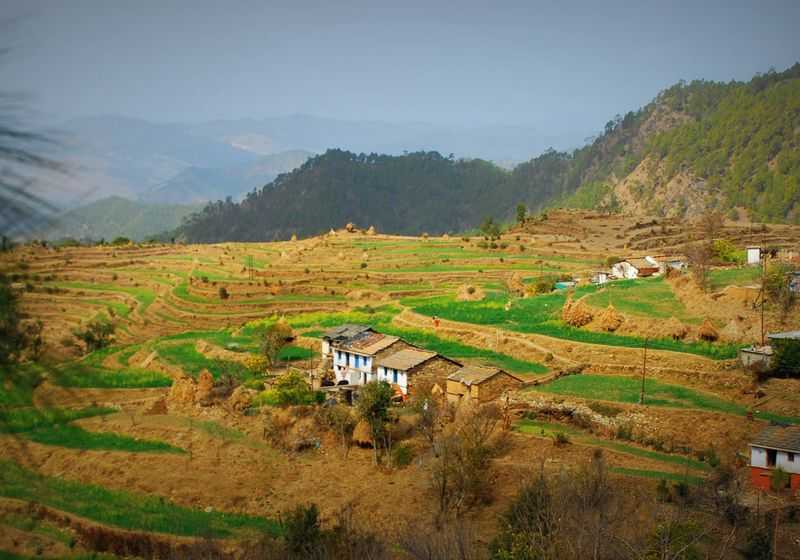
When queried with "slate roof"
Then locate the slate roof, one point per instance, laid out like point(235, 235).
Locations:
point(640, 264)
point(406, 359)
point(343, 332)
point(369, 343)
point(785, 438)
point(789, 335)
point(475, 375)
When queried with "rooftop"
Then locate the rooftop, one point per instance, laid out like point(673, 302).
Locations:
point(475, 375)
point(788, 335)
point(406, 359)
point(785, 438)
point(369, 342)
point(345, 331)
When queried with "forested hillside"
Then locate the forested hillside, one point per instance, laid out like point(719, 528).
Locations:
point(116, 216)
point(697, 145)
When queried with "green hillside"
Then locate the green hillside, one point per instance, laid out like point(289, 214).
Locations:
point(115, 216)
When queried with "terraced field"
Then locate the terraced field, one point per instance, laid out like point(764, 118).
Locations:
point(77, 430)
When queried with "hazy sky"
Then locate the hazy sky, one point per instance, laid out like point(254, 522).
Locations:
point(564, 64)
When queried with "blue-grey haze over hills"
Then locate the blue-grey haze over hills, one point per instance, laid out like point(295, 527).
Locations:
point(182, 102)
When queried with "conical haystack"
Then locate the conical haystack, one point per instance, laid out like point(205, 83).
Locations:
point(362, 435)
point(578, 314)
point(332, 232)
point(609, 320)
point(708, 331)
point(674, 329)
point(294, 237)
point(350, 227)
point(371, 230)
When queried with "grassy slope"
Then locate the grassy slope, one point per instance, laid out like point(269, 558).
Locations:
point(626, 389)
point(124, 509)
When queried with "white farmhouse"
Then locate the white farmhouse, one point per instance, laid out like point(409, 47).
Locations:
point(776, 447)
point(753, 255)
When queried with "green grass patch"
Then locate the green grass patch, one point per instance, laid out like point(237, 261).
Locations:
point(18, 383)
point(144, 296)
point(722, 277)
point(25, 419)
point(626, 389)
point(650, 297)
point(186, 356)
point(541, 315)
point(659, 475)
point(81, 375)
point(126, 510)
point(548, 429)
point(75, 437)
point(293, 353)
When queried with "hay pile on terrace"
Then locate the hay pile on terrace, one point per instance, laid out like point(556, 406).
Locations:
point(468, 292)
point(350, 227)
point(708, 331)
point(576, 313)
point(371, 230)
point(332, 232)
point(294, 237)
point(205, 386)
point(364, 256)
point(674, 329)
point(362, 435)
point(182, 391)
point(609, 319)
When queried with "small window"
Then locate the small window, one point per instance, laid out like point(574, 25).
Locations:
point(772, 457)
point(790, 457)
point(394, 377)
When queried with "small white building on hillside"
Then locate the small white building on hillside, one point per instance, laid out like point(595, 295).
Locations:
point(753, 255)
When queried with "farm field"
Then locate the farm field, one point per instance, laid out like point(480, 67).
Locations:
point(109, 437)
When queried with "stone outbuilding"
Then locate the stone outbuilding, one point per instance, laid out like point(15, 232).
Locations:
point(479, 384)
point(411, 366)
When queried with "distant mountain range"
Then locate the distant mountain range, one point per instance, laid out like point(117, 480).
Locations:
point(116, 216)
point(156, 162)
point(203, 184)
point(731, 146)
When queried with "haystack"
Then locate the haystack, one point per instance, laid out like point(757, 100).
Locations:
point(350, 227)
point(708, 331)
point(371, 230)
point(182, 391)
point(332, 232)
point(205, 385)
point(674, 329)
point(294, 237)
point(364, 256)
point(362, 435)
point(468, 292)
point(609, 320)
point(576, 313)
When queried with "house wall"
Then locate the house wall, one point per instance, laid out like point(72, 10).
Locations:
point(393, 376)
point(351, 366)
point(624, 270)
point(326, 347)
point(492, 388)
point(753, 255)
point(762, 479)
point(755, 360)
point(434, 370)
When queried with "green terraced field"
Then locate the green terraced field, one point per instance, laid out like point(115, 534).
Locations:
point(126, 509)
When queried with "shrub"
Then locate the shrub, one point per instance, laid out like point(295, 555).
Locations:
point(96, 334)
point(561, 438)
point(290, 389)
point(363, 265)
point(223, 293)
point(402, 455)
point(726, 251)
point(612, 260)
point(121, 241)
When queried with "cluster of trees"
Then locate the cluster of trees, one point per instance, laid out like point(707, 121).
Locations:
point(742, 140)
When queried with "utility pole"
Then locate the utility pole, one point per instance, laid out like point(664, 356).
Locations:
point(763, 253)
point(644, 370)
